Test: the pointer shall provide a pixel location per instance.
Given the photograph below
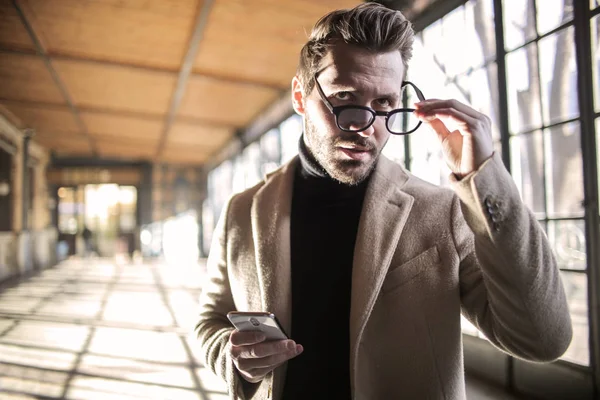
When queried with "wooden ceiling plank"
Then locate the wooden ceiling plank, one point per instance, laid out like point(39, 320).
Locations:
point(59, 83)
point(186, 70)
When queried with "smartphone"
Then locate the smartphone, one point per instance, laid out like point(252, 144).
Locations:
point(264, 322)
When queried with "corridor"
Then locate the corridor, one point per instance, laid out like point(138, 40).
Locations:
point(100, 329)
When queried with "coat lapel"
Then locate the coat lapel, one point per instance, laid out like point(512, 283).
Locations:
point(385, 211)
point(271, 211)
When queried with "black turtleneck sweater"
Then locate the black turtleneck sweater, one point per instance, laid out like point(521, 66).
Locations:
point(324, 224)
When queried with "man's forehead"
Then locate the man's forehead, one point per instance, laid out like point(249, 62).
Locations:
point(344, 64)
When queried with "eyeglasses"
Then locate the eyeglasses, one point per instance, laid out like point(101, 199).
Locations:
point(353, 118)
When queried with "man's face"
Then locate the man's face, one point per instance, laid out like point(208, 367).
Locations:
point(351, 75)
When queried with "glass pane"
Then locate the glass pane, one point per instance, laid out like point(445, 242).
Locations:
point(239, 176)
point(270, 151)
point(594, 3)
point(567, 239)
point(394, 148)
point(433, 44)
point(598, 153)
point(484, 95)
point(558, 73)
point(480, 32)
point(426, 157)
point(453, 37)
point(291, 130)
point(251, 161)
point(595, 34)
point(430, 75)
point(519, 22)
point(551, 14)
point(564, 174)
point(498, 148)
point(524, 109)
point(576, 290)
point(527, 169)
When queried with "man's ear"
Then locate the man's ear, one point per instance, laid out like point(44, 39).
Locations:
point(298, 98)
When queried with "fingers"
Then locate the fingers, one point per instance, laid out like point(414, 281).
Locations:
point(469, 121)
point(238, 338)
point(262, 350)
point(249, 364)
point(436, 104)
point(254, 361)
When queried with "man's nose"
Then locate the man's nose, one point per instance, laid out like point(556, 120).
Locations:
point(368, 132)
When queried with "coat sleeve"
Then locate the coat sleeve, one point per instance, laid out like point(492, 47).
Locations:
point(213, 328)
point(510, 284)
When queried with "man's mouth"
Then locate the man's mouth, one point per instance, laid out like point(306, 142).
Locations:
point(358, 153)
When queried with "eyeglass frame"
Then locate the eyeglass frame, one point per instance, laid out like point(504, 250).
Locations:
point(337, 110)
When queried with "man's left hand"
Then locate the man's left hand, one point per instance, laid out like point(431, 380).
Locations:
point(469, 146)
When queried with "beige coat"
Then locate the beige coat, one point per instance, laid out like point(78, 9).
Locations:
point(417, 266)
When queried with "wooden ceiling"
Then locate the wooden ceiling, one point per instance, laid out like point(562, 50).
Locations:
point(158, 80)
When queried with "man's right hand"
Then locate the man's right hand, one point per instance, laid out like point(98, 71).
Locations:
point(254, 358)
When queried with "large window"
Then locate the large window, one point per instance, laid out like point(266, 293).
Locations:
point(457, 59)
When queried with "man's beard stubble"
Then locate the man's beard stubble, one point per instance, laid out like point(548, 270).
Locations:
point(323, 148)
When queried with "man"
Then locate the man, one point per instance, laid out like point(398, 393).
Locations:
point(367, 267)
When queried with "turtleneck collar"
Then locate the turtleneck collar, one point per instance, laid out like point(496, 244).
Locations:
point(310, 166)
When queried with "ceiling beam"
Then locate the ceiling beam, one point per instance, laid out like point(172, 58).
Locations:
point(108, 63)
point(185, 72)
point(110, 112)
point(41, 51)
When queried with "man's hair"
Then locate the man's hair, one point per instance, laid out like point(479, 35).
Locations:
point(371, 26)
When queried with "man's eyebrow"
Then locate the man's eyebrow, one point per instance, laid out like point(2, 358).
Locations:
point(349, 87)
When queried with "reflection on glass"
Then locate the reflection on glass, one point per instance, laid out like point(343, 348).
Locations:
point(567, 238)
point(575, 285)
point(524, 106)
point(564, 175)
point(595, 34)
point(519, 22)
point(484, 95)
point(527, 169)
point(558, 74)
point(551, 14)
point(394, 149)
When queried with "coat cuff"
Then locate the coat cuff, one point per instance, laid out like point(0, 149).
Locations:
point(488, 197)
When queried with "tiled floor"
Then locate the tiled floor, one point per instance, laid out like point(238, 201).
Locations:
point(100, 329)
point(97, 329)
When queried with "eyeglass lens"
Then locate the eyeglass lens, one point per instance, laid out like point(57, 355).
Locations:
point(355, 119)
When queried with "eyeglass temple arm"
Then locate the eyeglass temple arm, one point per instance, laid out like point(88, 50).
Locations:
point(419, 93)
point(322, 94)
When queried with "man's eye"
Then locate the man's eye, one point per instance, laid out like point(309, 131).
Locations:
point(344, 96)
point(384, 102)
